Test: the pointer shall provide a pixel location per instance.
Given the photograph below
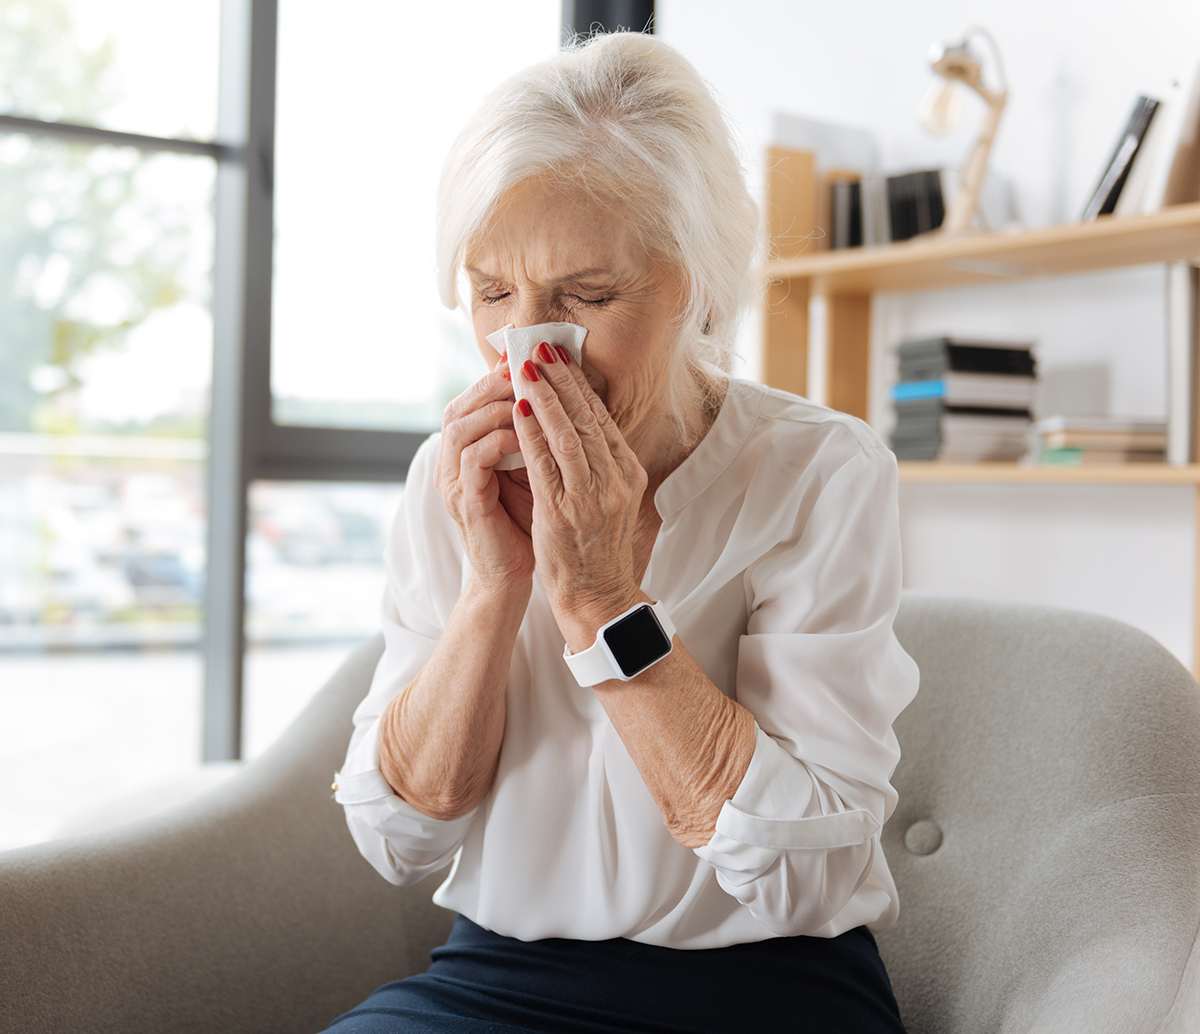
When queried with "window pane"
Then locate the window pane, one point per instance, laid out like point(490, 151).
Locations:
point(105, 355)
point(314, 582)
point(143, 66)
point(83, 731)
point(360, 338)
point(105, 260)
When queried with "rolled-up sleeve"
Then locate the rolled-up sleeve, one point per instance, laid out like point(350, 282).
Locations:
point(423, 569)
point(825, 678)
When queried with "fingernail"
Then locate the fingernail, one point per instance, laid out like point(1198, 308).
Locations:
point(507, 375)
point(563, 354)
point(530, 371)
point(547, 356)
point(525, 408)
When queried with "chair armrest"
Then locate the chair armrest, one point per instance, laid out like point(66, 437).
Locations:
point(247, 909)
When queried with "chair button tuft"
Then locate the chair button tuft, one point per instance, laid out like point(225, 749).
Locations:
point(923, 837)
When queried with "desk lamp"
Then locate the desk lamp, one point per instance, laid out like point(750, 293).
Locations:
point(957, 65)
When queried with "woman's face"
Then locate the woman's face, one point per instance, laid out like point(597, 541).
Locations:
point(554, 254)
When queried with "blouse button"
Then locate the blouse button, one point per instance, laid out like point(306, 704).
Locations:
point(923, 837)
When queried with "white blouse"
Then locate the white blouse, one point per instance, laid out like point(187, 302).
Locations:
point(779, 561)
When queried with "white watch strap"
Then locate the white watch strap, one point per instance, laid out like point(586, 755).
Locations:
point(595, 664)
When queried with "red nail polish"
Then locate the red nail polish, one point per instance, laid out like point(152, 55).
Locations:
point(530, 371)
point(525, 408)
point(547, 356)
point(563, 354)
point(507, 375)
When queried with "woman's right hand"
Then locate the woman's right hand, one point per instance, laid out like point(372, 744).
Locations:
point(492, 514)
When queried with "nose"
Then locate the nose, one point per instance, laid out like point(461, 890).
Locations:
point(529, 312)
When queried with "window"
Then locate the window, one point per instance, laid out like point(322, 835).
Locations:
point(106, 254)
point(152, 440)
point(359, 338)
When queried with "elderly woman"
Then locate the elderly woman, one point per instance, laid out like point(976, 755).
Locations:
point(640, 692)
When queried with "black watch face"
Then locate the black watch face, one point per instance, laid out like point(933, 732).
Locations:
point(637, 641)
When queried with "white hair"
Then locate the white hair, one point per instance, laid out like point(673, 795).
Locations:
point(628, 118)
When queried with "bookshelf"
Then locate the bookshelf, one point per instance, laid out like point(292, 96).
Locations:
point(1126, 474)
point(847, 280)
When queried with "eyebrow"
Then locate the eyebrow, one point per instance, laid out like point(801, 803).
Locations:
point(570, 278)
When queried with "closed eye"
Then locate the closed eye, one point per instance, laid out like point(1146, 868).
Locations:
point(589, 301)
point(492, 299)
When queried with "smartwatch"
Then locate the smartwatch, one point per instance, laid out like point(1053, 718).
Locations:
point(625, 646)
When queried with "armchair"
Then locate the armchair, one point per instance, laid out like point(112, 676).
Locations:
point(1046, 847)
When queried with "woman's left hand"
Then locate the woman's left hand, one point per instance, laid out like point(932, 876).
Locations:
point(587, 486)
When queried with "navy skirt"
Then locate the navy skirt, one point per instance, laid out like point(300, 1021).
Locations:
point(482, 983)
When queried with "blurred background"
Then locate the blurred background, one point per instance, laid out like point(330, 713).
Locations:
point(220, 339)
point(108, 249)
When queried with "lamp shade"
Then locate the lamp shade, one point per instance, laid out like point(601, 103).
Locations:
point(940, 109)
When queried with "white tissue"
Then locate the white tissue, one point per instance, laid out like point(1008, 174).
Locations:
point(520, 342)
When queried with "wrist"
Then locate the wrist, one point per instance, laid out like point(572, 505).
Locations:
point(580, 621)
point(497, 597)
point(625, 646)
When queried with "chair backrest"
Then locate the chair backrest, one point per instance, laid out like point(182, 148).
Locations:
point(1046, 845)
point(246, 910)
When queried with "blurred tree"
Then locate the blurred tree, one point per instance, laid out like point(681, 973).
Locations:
point(85, 254)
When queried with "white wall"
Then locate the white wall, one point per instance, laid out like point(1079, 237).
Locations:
point(1073, 70)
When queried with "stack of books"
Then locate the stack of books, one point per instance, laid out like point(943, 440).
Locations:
point(1073, 441)
point(963, 400)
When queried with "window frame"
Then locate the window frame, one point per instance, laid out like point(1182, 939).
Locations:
point(245, 443)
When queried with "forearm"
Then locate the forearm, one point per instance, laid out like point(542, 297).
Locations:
point(440, 737)
point(691, 744)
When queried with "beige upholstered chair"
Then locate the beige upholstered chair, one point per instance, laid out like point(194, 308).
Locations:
point(1046, 846)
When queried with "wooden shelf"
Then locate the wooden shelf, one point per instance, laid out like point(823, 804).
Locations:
point(1117, 474)
point(933, 262)
point(846, 281)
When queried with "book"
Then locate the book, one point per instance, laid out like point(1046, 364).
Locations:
point(1174, 178)
point(1078, 440)
point(961, 447)
point(845, 212)
point(1116, 170)
point(1150, 156)
point(1110, 441)
point(958, 388)
point(1100, 423)
point(916, 203)
point(930, 358)
point(963, 399)
point(1080, 457)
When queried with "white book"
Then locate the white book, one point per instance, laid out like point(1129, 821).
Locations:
point(954, 425)
point(1178, 148)
point(1099, 422)
point(989, 389)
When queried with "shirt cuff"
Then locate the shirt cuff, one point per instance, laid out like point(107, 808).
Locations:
point(767, 816)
